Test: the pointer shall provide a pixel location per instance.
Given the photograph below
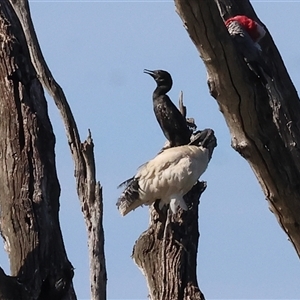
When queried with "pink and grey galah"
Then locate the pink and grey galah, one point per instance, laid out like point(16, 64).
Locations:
point(247, 34)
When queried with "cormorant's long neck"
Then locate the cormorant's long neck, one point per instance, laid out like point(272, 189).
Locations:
point(161, 90)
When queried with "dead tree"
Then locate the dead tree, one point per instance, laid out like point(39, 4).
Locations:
point(29, 188)
point(263, 119)
point(166, 252)
point(264, 126)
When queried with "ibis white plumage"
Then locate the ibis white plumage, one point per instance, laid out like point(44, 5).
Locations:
point(169, 175)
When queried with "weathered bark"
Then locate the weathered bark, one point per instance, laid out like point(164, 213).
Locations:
point(29, 188)
point(263, 120)
point(88, 189)
point(167, 252)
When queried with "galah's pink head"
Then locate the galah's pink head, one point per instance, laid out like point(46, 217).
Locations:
point(255, 30)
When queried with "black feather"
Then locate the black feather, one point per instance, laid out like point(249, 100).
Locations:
point(126, 182)
point(205, 138)
point(128, 199)
point(170, 119)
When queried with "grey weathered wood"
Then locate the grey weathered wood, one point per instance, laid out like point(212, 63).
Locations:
point(89, 191)
point(166, 252)
point(263, 121)
point(29, 188)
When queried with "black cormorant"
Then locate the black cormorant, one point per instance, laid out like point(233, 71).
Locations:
point(171, 121)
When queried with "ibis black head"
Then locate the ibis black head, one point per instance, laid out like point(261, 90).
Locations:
point(205, 138)
point(162, 78)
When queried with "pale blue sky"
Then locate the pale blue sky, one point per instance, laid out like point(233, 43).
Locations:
point(97, 52)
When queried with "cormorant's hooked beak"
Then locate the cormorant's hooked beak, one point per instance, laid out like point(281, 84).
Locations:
point(149, 72)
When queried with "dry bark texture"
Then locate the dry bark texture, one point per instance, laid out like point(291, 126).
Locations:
point(263, 120)
point(166, 253)
point(29, 188)
point(28, 126)
point(88, 189)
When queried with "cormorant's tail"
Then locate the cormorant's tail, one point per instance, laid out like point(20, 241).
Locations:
point(129, 199)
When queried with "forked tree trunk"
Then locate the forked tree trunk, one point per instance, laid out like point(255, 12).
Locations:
point(29, 188)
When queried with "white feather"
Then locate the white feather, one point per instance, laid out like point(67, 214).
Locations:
point(171, 174)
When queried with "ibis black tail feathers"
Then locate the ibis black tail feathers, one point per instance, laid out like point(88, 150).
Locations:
point(129, 199)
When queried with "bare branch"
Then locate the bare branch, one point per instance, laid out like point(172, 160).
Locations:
point(182, 108)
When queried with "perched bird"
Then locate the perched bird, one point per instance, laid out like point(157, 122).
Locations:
point(254, 29)
point(246, 34)
point(170, 119)
point(169, 175)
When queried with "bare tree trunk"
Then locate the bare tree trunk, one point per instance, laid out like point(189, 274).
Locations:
point(263, 119)
point(88, 189)
point(29, 220)
point(166, 253)
point(29, 188)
